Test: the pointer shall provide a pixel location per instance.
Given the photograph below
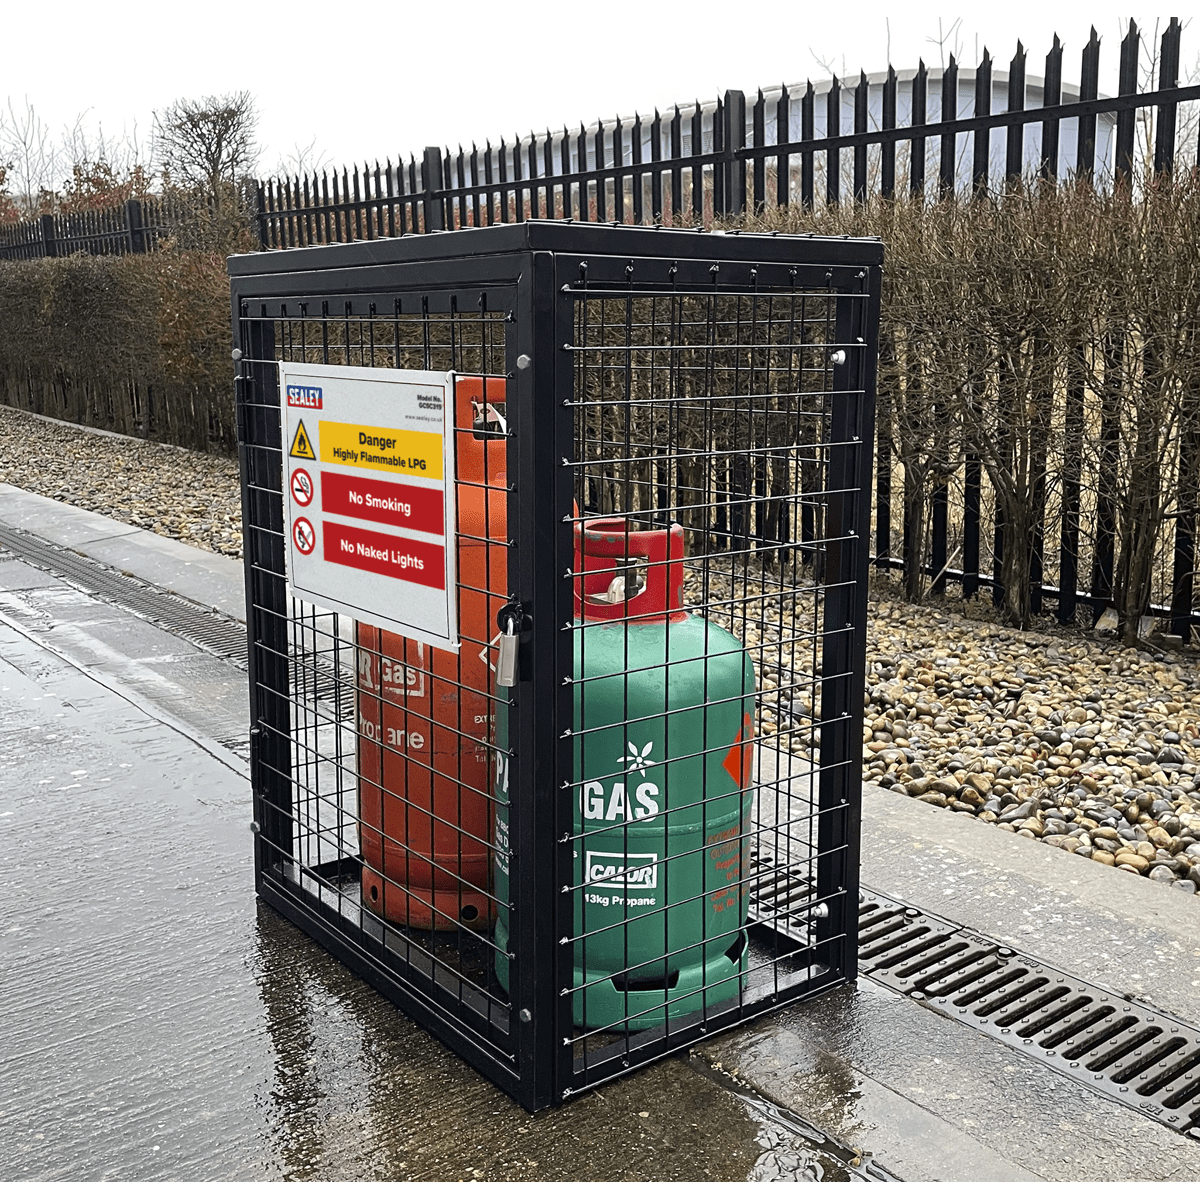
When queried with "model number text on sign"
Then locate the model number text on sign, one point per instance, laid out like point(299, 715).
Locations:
point(369, 455)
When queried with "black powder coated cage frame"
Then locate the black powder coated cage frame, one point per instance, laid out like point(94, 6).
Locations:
point(721, 381)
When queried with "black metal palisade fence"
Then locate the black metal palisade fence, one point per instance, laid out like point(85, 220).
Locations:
point(734, 158)
point(638, 171)
point(134, 227)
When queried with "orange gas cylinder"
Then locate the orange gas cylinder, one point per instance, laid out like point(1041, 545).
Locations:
point(425, 719)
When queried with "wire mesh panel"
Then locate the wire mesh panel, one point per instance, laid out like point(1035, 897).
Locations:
point(372, 775)
point(717, 443)
point(623, 812)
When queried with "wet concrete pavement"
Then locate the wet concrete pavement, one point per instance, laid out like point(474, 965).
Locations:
point(159, 1024)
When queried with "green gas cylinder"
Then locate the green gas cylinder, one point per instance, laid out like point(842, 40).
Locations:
point(664, 735)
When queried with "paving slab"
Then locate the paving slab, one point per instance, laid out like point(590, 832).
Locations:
point(932, 1100)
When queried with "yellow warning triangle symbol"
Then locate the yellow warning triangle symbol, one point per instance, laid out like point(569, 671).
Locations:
point(301, 446)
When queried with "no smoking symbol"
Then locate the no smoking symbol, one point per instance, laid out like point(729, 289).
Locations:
point(302, 487)
point(304, 537)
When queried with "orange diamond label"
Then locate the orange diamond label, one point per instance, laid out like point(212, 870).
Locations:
point(739, 762)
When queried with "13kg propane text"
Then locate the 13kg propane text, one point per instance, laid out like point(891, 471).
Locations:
point(614, 901)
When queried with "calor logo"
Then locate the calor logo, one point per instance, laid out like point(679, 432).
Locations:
point(302, 396)
point(621, 871)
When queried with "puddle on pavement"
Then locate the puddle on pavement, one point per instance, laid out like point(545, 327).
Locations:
point(791, 1148)
point(217, 1040)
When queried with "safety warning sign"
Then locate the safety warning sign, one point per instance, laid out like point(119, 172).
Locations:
point(301, 446)
point(370, 496)
point(302, 487)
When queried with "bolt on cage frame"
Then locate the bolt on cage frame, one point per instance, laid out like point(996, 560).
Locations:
point(713, 391)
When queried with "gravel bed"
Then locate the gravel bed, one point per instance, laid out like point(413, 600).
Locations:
point(182, 494)
point(1059, 735)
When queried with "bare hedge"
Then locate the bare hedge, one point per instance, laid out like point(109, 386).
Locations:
point(137, 344)
point(1040, 368)
point(1040, 363)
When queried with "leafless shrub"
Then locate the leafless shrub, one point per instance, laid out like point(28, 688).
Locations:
point(1051, 336)
point(138, 344)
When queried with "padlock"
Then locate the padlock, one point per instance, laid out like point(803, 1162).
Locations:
point(506, 664)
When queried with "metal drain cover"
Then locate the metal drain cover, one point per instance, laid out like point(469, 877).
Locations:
point(211, 631)
point(1126, 1050)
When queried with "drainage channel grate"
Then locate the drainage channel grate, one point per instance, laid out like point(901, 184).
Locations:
point(1128, 1051)
point(210, 630)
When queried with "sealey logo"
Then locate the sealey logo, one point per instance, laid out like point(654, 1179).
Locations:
point(302, 396)
point(621, 870)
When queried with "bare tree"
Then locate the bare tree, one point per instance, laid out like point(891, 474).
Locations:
point(302, 161)
point(83, 169)
point(103, 170)
point(949, 39)
point(8, 210)
point(123, 155)
point(32, 160)
point(208, 144)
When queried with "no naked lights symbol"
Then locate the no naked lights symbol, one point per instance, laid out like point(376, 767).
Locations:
point(304, 537)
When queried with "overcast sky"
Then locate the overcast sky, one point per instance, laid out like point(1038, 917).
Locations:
point(372, 80)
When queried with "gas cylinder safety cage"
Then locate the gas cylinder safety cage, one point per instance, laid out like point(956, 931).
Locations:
point(668, 453)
